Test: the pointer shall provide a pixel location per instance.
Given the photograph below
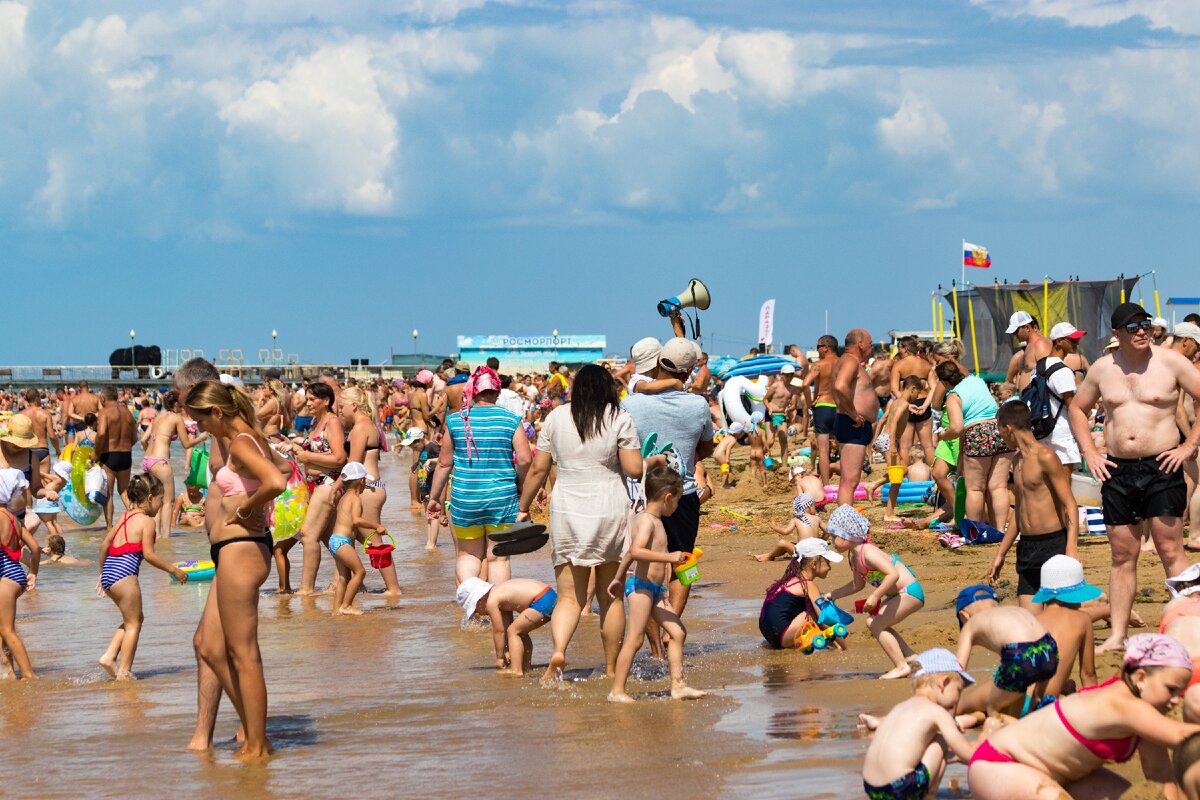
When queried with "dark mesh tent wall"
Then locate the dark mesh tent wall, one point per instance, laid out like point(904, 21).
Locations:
point(1085, 304)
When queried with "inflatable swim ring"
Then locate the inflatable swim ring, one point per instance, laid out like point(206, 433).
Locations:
point(910, 491)
point(860, 492)
point(741, 397)
point(197, 570)
point(74, 495)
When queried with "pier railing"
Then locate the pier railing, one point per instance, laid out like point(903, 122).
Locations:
point(69, 375)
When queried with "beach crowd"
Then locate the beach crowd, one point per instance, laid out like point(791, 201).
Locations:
point(611, 465)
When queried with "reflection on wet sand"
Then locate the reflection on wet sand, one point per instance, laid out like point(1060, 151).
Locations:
point(402, 702)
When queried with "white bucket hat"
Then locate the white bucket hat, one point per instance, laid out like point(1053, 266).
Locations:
point(938, 660)
point(814, 547)
point(469, 593)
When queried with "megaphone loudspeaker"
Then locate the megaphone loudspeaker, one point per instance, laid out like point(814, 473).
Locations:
point(694, 296)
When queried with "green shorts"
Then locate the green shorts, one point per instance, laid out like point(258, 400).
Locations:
point(947, 451)
point(778, 419)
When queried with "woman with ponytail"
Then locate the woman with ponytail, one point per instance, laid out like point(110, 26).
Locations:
point(241, 550)
point(364, 442)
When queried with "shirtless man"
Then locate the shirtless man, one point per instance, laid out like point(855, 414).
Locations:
point(1025, 327)
point(1047, 520)
point(824, 408)
point(329, 377)
point(116, 431)
point(777, 400)
point(43, 429)
point(701, 381)
point(802, 399)
point(1140, 387)
point(455, 386)
point(1186, 341)
point(857, 408)
point(880, 373)
point(912, 364)
point(82, 404)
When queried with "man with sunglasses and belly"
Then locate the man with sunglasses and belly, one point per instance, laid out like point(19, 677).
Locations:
point(1139, 385)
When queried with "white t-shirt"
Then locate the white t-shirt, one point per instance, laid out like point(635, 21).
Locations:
point(512, 401)
point(1062, 441)
point(637, 378)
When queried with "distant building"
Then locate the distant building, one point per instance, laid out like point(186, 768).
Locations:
point(531, 353)
point(418, 361)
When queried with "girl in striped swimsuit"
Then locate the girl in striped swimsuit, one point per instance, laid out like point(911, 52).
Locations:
point(130, 542)
point(13, 583)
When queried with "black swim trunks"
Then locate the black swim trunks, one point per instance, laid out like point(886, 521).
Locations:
point(1032, 552)
point(1137, 489)
point(117, 462)
point(924, 415)
point(823, 418)
point(846, 432)
point(683, 525)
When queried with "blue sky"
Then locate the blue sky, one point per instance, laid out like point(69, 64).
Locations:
point(345, 172)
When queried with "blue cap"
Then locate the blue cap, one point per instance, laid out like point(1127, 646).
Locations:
point(978, 591)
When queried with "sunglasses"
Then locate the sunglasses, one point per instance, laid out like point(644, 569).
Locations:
point(1133, 327)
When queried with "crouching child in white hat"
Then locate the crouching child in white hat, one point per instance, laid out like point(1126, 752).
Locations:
point(532, 602)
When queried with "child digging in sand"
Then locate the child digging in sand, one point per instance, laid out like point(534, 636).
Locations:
point(897, 594)
point(801, 525)
point(907, 756)
point(646, 588)
point(532, 601)
point(1063, 590)
point(1028, 653)
point(791, 601)
point(127, 544)
point(348, 528)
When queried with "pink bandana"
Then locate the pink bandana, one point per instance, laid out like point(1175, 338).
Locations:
point(1156, 650)
point(483, 379)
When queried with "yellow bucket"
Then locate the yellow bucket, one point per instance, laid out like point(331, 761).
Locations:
point(895, 475)
point(689, 571)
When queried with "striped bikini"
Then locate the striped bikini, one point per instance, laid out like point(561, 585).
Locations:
point(122, 561)
point(10, 555)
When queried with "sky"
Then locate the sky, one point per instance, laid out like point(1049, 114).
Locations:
point(344, 173)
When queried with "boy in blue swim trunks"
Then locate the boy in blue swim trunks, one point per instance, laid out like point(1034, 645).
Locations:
point(1028, 653)
point(646, 587)
point(532, 603)
point(907, 756)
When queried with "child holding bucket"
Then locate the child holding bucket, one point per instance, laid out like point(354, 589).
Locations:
point(646, 588)
point(792, 600)
point(348, 528)
point(897, 593)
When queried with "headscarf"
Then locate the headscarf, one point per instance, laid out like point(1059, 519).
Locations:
point(483, 379)
point(1155, 650)
point(849, 524)
point(801, 503)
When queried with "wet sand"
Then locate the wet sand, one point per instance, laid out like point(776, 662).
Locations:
point(401, 702)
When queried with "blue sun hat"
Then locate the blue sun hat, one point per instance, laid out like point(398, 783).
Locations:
point(940, 660)
point(848, 523)
point(970, 594)
point(1062, 580)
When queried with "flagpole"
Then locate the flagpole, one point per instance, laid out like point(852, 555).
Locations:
point(962, 281)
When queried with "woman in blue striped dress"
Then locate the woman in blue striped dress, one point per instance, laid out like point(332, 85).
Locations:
point(490, 454)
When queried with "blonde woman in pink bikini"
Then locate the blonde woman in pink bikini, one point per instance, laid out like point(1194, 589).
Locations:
point(168, 425)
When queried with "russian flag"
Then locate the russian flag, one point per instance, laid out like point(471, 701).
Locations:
point(975, 255)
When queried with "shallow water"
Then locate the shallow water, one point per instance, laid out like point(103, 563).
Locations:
point(401, 702)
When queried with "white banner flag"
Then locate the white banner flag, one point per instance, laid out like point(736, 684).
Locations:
point(766, 322)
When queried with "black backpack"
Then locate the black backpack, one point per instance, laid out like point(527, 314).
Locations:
point(1037, 396)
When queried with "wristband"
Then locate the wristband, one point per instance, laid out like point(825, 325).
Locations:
point(238, 514)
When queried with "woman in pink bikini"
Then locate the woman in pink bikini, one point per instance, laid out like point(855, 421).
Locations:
point(1060, 750)
point(241, 550)
point(168, 426)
